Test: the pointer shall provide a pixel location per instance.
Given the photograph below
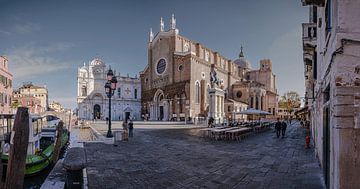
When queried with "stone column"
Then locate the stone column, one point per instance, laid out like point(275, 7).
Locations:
point(154, 111)
point(156, 105)
point(218, 105)
point(222, 106)
point(178, 109)
point(170, 109)
point(214, 104)
point(167, 111)
point(151, 112)
point(265, 103)
point(254, 101)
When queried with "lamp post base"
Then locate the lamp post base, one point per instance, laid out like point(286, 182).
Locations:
point(109, 134)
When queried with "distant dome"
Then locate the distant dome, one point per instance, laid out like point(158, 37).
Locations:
point(96, 62)
point(242, 62)
point(83, 67)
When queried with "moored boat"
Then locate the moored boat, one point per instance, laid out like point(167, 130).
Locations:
point(41, 142)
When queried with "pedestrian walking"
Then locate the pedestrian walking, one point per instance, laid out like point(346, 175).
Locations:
point(278, 127)
point(125, 131)
point(302, 123)
point(307, 125)
point(307, 141)
point(131, 128)
point(210, 122)
point(283, 128)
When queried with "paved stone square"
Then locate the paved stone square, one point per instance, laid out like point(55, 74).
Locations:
point(178, 158)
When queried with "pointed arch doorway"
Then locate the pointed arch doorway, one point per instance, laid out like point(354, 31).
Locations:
point(160, 108)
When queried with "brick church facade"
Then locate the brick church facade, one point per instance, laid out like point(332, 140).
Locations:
point(176, 80)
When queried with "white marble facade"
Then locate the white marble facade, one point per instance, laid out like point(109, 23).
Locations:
point(92, 100)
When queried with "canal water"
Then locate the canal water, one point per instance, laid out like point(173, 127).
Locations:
point(35, 182)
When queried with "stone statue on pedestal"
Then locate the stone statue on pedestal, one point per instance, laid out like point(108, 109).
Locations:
point(216, 98)
point(213, 77)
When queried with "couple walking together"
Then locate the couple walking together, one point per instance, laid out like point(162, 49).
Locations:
point(280, 127)
point(127, 130)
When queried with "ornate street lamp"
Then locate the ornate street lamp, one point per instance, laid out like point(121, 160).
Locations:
point(110, 87)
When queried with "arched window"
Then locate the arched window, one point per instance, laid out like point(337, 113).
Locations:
point(160, 98)
point(119, 92)
point(207, 93)
point(251, 102)
point(197, 92)
point(135, 93)
point(257, 102)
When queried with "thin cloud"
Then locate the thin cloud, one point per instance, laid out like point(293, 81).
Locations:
point(26, 28)
point(3, 32)
point(31, 61)
point(21, 28)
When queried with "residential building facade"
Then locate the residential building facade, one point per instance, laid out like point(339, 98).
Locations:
point(56, 106)
point(6, 89)
point(31, 102)
point(309, 33)
point(30, 90)
point(331, 52)
point(92, 100)
point(284, 113)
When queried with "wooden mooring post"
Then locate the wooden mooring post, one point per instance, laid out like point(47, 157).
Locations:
point(1, 172)
point(18, 150)
point(57, 147)
point(69, 126)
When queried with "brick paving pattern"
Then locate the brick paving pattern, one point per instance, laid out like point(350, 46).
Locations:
point(176, 158)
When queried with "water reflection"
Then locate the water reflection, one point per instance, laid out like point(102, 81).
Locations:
point(35, 181)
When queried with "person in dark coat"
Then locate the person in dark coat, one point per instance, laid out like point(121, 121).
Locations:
point(302, 123)
point(131, 128)
point(210, 122)
point(283, 128)
point(278, 127)
point(125, 136)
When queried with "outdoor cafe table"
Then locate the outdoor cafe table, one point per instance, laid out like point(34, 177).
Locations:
point(206, 131)
point(217, 132)
point(234, 132)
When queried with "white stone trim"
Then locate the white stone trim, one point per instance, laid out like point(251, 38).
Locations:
point(196, 97)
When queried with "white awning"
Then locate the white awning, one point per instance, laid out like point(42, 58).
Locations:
point(253, 112)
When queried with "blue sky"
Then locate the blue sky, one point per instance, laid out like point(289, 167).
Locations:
point(46, 41)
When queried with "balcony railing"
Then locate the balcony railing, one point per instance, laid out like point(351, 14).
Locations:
point(309, 35)
point(309, 30)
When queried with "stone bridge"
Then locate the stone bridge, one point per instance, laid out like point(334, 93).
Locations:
point(64, 116)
